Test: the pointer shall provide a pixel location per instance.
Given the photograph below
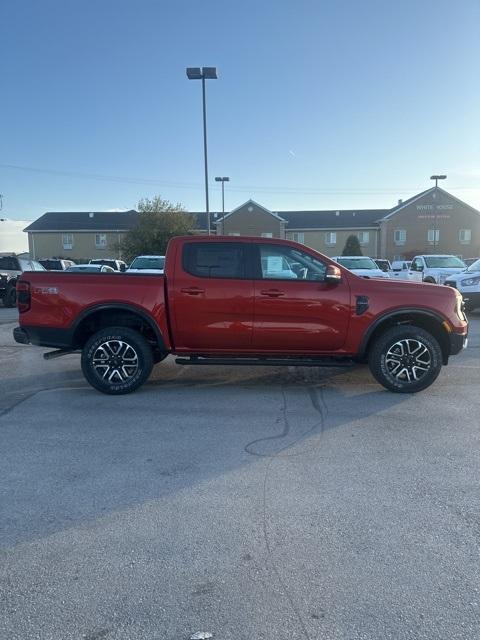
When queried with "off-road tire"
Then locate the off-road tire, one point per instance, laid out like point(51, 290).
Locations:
point(417, 353)
point(429, 280)
point(117, 360)
point(10, 299)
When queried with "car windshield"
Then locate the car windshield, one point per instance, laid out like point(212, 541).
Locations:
point(109, 263)
point(444, 262)
point(143, 262)
point(475, 266)
point(357, 263)
point(88, 267)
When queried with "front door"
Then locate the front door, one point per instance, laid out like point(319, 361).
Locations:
point(295, 309)
point(211, 300)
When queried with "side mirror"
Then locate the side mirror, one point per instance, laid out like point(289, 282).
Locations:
point(123, 268)
point(333, 274)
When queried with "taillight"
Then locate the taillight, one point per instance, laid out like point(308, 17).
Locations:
point(23, 296)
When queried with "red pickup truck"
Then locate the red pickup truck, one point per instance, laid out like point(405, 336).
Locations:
point(234, 300)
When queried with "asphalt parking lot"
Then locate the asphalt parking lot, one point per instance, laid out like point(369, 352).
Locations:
point(254, 503)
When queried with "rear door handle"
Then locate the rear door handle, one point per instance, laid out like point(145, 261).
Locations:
point(192, 291)
point(272, 293)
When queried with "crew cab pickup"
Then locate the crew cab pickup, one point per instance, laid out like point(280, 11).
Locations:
point(242, 301)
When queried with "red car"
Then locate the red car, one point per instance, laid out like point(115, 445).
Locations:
point(253, 301)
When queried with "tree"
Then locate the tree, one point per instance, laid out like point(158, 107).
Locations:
point(158, 221)
point(352, 247)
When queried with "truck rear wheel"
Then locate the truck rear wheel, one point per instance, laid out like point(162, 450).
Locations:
point(405, 359)
point(116, 360)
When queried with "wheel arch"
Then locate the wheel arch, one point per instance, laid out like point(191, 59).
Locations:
point(423, 318)
point(99, 317)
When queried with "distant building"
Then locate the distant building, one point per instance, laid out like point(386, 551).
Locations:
point(79, 235)
point(433, 221)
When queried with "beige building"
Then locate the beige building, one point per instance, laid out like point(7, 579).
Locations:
point(433, 221)
point(79, 235)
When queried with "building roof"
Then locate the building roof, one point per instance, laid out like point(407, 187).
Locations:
point(335, 219)
point(85, 221)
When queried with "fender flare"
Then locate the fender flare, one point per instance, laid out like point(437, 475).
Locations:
point(391, 315)
point(111, 306)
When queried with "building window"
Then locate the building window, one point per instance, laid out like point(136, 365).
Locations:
point(298, 237)
point(100, 240)
point(364, 237)
point(331, 238)
point(267, 235)
point(465, 236)
point(67, 239)
point(433, 235)
point(399, 236)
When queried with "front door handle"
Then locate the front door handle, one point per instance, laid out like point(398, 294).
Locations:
point(272, 293)
point(192, 291)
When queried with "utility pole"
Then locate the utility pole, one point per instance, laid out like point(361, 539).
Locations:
point(436, 178)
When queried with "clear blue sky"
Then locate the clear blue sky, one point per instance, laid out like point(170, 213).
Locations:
point(318, 105)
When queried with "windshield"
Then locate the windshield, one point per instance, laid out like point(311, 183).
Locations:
point(357, 263)
point(444, 262)
point(148, 263)
point(475, 266)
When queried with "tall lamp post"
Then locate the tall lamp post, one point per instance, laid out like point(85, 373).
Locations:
point(436, 178)
point(223, 180)
point(204, 73)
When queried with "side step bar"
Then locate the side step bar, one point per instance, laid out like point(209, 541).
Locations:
point(265, 362)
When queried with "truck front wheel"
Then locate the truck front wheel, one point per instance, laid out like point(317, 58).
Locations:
point(116, 360)
point(405, 359)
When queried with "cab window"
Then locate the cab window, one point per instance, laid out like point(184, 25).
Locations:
point(286, 263)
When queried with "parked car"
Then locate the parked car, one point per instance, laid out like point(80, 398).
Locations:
point(218, 304)
point(468, 283)
point(56, 264)
point(11, 267)
point(361, 266)
point(400, 269)
point(147, 264)
point(435, 268)
point(470, 261)
point(383, 264)
point(90, 268)
point(116, 265)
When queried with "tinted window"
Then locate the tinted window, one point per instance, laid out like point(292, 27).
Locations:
point(286, 263)
point(144, 262)
point(9, 263)
point(357, 263)
point(445, 262)
point(214, 260)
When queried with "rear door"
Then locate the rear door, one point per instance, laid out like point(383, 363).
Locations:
point(295, 309)
point(211, 297)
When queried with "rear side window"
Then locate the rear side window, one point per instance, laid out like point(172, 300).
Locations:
point(215, 260)
point(9, 263)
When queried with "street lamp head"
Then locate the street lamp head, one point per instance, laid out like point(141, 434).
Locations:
point(194, 73)
point(225, 179)
point(438, 177)
point(209, 73)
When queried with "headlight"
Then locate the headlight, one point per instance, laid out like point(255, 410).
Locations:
point(470, 282)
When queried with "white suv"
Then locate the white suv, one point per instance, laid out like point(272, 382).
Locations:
point(468, 283)
point(362, 266)
point(435, 268)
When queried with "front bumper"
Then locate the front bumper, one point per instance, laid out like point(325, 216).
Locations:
point(458, 342)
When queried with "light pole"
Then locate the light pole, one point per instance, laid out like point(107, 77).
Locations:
point(223, 180)
point(204, 73)
point(436, 178)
